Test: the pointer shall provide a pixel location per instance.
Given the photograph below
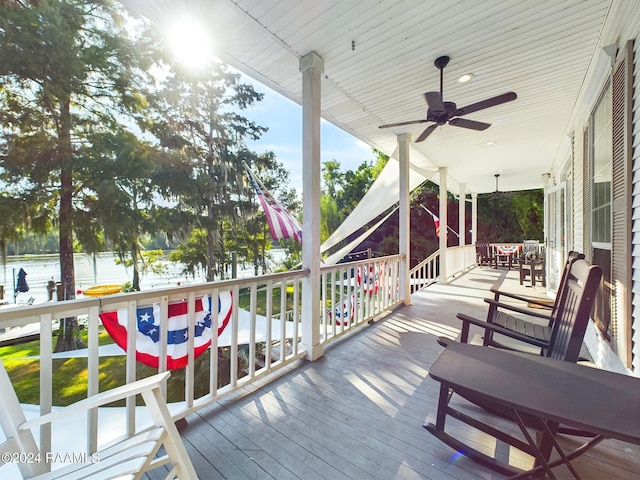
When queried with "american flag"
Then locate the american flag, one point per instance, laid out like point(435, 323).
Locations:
point(148, 329)
point(436, 222)
point(281, 223)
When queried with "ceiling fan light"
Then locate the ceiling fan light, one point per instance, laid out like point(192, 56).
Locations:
point(465, 77)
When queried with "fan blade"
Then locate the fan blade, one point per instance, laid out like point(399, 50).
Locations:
point(489, 102)
point(426, 132)
point(434, 100)
point(472, 124)
point(400, 124)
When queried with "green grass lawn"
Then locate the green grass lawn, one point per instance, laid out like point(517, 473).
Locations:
point(70, 377)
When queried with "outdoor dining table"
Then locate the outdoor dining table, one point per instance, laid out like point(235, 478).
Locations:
point(553, 392)
point(505, 254)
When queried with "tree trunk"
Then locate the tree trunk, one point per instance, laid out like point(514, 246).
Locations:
point(211, 246)
point(211, 275)
point(135, 285)
point(135, 255)
point(68, 334)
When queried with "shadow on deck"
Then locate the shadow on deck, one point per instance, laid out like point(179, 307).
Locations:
point(357, 413)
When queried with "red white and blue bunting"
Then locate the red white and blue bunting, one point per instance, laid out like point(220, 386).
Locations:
point(148, 329)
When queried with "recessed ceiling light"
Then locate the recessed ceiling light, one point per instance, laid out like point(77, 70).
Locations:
point(465, 77)
point(489, 143)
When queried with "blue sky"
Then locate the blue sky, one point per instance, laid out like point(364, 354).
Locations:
point(284, 120)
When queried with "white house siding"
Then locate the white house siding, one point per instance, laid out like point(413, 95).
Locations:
point(623, 24)
point(577, 191)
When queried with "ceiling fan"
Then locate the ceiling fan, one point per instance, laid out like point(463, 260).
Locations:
point(441, 112)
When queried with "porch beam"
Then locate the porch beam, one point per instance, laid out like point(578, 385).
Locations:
point(311, 67)
point(404, 140)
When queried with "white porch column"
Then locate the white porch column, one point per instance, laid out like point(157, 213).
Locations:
point(311, 67)
point(474, 218)
point(443, 224)
point(404, 224)
point(462, 209)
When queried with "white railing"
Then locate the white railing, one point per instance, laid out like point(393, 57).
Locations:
point(356, 292)
point(258, 342)
point(425, 273)
point(460, 259)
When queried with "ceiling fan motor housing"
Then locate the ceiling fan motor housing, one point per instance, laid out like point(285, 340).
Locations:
point(441, 62)
point(442, 117)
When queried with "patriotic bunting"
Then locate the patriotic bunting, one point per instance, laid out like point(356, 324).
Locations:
point(148, 329)
point(343, 314)
point(370, 278)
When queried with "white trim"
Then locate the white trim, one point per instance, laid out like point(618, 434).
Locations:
point(603, 355)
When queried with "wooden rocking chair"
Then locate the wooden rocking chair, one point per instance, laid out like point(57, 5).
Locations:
point(571, 318)
point(129, 458)
point(513, 318)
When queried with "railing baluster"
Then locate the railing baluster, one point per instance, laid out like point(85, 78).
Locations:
point(190, 370)
point(93, 386)
point(283, 309)
point(252, 330)
point(46, 379)
point(162, 345)
point(213, 351)
point(296, 314)
point(132, 328)
point(269, 333)
point(234, 338)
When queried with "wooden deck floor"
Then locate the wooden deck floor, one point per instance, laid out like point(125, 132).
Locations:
point(357, 413)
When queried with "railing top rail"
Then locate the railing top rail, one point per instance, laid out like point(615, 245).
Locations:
point(178, 293)
point(355, 263)
point(32, 313)
point(430, 258)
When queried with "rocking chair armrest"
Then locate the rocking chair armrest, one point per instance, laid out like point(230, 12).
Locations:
point(518, 297)
point(513, 308)
point(103, 398)
point(467, 321)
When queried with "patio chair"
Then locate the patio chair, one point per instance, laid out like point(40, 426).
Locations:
point(502, 314)
point(570, 322)
point(130, 457)
point(567, 322)
point(530, 246)
point(485, 255)
point(531, 262)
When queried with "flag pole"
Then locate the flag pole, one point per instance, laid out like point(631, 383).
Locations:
point(434, 215)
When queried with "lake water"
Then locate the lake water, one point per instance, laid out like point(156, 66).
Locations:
point(41, 269)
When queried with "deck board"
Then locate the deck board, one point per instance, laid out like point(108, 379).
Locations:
point(357, 413)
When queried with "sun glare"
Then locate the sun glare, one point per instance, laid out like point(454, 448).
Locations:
point(190, 42)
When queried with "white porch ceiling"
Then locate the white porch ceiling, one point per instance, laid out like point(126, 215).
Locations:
point(540, 49)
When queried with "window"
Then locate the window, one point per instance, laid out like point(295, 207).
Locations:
point(601, 155)
point(600, 200)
